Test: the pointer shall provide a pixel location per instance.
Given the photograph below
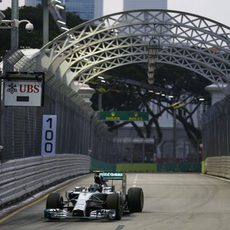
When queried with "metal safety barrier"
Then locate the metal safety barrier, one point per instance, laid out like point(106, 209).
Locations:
point(218, 166)
point(22, 177)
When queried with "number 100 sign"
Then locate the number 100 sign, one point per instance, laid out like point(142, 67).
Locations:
point(49, 123)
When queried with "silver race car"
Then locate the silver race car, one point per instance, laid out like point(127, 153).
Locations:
point(98, 201)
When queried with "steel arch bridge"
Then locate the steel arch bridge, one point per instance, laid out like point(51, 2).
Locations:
point(186, 40)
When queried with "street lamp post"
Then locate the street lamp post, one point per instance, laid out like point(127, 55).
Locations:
point(13, 24)
point(14, 30)
point(154, 46)
point(45, 22)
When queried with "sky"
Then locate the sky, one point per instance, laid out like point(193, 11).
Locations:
point(218, 10)
point(7, 3)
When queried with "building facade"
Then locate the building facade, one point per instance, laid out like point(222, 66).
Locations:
point(104, 7)
point(4, 4)
point(33, 3)
point(83, 8)
point(89, 9)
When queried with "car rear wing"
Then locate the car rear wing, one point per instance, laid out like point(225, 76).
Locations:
point(112, 176)
point(115, 176)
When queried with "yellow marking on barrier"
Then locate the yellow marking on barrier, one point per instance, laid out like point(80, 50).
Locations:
point(21, 209)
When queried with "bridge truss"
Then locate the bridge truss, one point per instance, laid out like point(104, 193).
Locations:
point(94, 47)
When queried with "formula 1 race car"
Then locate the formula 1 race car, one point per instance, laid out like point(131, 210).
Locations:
point(98, 201)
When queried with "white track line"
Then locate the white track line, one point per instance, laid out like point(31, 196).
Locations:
point(135, 181)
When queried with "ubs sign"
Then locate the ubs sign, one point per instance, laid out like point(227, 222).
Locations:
point(23, 90)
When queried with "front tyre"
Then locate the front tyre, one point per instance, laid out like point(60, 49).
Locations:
point(54, 200)
point(135, 199)
point(113, 202)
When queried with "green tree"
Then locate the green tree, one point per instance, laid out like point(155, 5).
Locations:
point(34, 39)
point(133, 93)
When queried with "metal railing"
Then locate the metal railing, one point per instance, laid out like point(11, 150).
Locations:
point(23, 177)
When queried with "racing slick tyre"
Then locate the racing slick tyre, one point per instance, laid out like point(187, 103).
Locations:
point(135, 199)
point(54, 200)
point(113, 202)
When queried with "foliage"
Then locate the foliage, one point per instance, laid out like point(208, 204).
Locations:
point(34, 39)
point(133, 93)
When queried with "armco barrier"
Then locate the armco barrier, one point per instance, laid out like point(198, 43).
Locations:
point(218, 166)
point(24, 176)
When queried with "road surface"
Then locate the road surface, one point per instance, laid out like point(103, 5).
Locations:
point(172, 202)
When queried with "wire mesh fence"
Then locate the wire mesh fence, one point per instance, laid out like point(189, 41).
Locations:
point(78, 129)
point(216, 129)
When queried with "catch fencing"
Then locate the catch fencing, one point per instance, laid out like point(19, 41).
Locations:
point(78, 129)
point(23, 171)
point(216, 139)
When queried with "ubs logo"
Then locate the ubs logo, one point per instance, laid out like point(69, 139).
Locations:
point(12, 88)
point(23, 88)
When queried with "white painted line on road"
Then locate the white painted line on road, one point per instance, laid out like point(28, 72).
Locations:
point(120, 227)
point(135, 181)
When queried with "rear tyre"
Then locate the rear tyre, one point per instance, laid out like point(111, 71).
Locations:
point(113, 202)
point(54, 200)
point(135, 199)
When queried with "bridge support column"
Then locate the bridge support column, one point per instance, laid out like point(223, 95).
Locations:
point(84, 91)
point(217, 93)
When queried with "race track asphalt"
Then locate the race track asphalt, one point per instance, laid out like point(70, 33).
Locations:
point(172, 202)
